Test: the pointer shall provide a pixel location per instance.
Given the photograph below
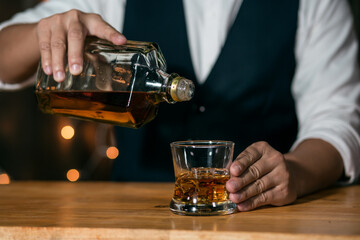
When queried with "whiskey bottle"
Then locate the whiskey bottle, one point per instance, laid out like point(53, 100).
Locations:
point(121, 85)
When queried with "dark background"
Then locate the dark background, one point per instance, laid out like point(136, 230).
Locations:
point(31, 146)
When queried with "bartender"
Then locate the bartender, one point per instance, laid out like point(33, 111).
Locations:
point(278, 78)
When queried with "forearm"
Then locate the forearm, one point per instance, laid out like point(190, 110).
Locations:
point(19, 52)
point(314, 164)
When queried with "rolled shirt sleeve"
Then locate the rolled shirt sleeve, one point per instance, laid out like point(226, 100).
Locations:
point(326, 84)
point(112, 11)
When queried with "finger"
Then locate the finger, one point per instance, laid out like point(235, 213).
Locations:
point(244, 160)
point(273, 189)
point(75, 39)
point(44, 36)
point(253, 173)
point(260, 185)
point(250, 175)
point(58, 49)
point(259, 200)
point(99, 28)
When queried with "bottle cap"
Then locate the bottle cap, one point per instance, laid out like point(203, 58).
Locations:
point(182, 89)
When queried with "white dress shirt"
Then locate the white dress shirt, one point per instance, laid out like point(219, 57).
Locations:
point(326, 85)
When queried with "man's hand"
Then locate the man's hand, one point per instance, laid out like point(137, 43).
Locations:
point(66, 32)
point(260, 176)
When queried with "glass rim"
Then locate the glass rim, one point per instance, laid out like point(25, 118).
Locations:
point(202, 143)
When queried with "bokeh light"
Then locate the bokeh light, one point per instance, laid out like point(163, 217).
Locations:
point(4, 178)
point(67, 132)
point(73, 175)
point(112, 152)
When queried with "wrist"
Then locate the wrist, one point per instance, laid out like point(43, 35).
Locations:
point(296, 180)
point(314, 165)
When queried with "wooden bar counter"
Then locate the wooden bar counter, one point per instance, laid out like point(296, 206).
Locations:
point(108, 210)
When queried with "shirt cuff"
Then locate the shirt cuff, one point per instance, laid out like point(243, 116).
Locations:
point(17, 86)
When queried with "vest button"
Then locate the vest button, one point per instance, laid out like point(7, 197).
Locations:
point(202, 109)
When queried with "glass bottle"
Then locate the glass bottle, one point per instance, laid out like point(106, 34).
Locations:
point(122, 85)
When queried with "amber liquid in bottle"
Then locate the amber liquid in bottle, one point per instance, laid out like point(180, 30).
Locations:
point(126, 109)
point(202, 186)
point(121, 85)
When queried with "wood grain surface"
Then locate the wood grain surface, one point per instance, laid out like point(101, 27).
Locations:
point(108, 210)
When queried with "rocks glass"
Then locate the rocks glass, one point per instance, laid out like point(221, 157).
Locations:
point(201, 172)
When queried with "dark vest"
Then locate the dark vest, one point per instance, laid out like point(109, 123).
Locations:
point(246, 98)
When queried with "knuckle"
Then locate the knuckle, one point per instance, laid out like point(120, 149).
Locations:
point(260, 200)
point(252, 204)
point(246, 152)
point(260, 187)
point(95, 16)
point(58, 44)
point(74, 13)
point(254, 171)
point(251, 154)
point(44, 22)
point(44, 46)
point(277, 155)
point(261, 144)
point(57, 18)
point(246, 155)
point(76, 34)
point(263, 197)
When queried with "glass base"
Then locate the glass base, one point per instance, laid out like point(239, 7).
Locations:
point(213, 209)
